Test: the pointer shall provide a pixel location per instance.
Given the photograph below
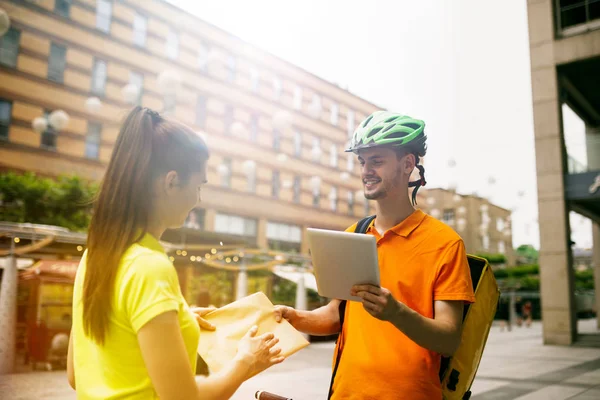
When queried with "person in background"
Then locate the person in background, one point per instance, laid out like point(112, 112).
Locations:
point(133, 334)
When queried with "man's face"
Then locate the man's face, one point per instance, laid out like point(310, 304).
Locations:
point(384, 173)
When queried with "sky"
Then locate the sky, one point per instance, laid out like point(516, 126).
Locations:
point(460, 65)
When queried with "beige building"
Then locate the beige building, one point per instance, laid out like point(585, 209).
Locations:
point(564, 39)
point(276, 132)
point(484, 227)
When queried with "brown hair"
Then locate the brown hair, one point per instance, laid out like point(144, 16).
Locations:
point(148, 145)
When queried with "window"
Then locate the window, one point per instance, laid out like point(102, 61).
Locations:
point(139, 30)
point(92, 140)
point(298, 144)
point(577, 12)
point(137, 79)
point(297, 189)
point(169, 103)
point(9, 47)
point(99, 77)
point(316, 150)
point(485, 242)
point(298, 98)
point(62, 7)
point(350, 123)
point(226, 173)
point(277, 87)
point(500, 224)
point(231, 68)
point(172, 45)
point(48, 139)
point(254, 79)
point(5, 117)
point(57, 62)
point(228, 118)
point(333, 160)
point(103, 15)
point(252, 181)
point(333, 199)
point(284, 232)
point(203, 52)
point(201, 111)
point(335, 114)
point(448, 217)
point(350, 162)
point(234, 225)
point(275, 186)
point(501, 247)
point(351, 203)
point(254, 127)
point(316, 197)
point(276, 139)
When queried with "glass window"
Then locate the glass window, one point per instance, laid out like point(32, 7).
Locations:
point(226, 175)
point(5, 118)
point(298, 98)
point(276, 139)
point(284, 232)
point(235, 225)
point(350, 123)
point(275, 185)
point(62, 7)
point(228, 118)
point(139, 30)
point(57, 62)
point(448, 217)
point(231, 68)
point(351, 203)
point(333, 156)
point(297, 189)
point(103, 15)
point(500, 224)
point(9, 47)
point(201, 111)
point(172, 45)
point(99, 77)
point(501, 247)
point(254, 79)
point(48, 139)
point(203, 52)
point(254, 127)
point(298, 143)
point(137, 79)
point(333, 199)
point(92, 140)
point(335, 114)
point(277, 88)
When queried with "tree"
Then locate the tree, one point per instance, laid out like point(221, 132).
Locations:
point(527, 254)
point(65, 201)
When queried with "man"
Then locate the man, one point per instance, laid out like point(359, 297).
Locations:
point(392, 341)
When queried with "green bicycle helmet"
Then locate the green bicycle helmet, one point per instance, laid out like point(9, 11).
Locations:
point(385, 128)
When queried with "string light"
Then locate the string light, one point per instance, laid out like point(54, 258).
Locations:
point(178, 252)
point(79, 248)
point(193, 258)
point(184, 253)
point(228, 260)
point(213, 251)
point(17, 240)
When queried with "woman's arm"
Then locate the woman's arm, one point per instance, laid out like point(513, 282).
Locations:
point(166, 359)
point(70, 368)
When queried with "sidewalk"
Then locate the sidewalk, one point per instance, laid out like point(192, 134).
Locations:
point(515, 365)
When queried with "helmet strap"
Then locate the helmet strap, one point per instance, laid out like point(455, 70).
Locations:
point(417, 184)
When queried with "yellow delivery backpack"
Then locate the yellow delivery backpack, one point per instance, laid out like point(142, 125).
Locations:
point(458, 372)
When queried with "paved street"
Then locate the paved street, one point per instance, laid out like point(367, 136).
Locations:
point(515, 365)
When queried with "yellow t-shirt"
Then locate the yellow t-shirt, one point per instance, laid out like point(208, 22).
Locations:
point(146, 286)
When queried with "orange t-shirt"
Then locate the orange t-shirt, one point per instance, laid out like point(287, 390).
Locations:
point(421, 260)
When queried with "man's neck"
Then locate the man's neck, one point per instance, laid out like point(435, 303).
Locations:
point(392, 211)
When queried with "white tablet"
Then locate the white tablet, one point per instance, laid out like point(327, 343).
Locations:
point(342, 260)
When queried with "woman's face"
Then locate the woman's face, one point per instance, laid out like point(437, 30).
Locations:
point(183, 198)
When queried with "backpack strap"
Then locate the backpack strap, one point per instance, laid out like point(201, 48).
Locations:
point(361, 227)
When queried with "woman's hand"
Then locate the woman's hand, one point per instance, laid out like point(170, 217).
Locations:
point(200, 312)
point(258, 351)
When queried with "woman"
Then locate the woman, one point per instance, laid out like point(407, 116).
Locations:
point(133, 334)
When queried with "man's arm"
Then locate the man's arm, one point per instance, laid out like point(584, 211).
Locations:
point(320, 322)
point(440, 334)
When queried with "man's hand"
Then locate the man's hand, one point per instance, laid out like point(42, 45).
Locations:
point(200, 312)
point(378, 302)
point(285, 312)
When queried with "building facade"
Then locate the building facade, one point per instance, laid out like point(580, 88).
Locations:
point(564, 40)
point(276, 132)
point(484, 227)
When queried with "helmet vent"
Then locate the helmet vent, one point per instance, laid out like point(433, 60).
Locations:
point(374, 131)
point(387, 128)
point(390, 119)
point(367, 121)
point(412, 125)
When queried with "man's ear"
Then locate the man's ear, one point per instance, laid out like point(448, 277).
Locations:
point(409, 163)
